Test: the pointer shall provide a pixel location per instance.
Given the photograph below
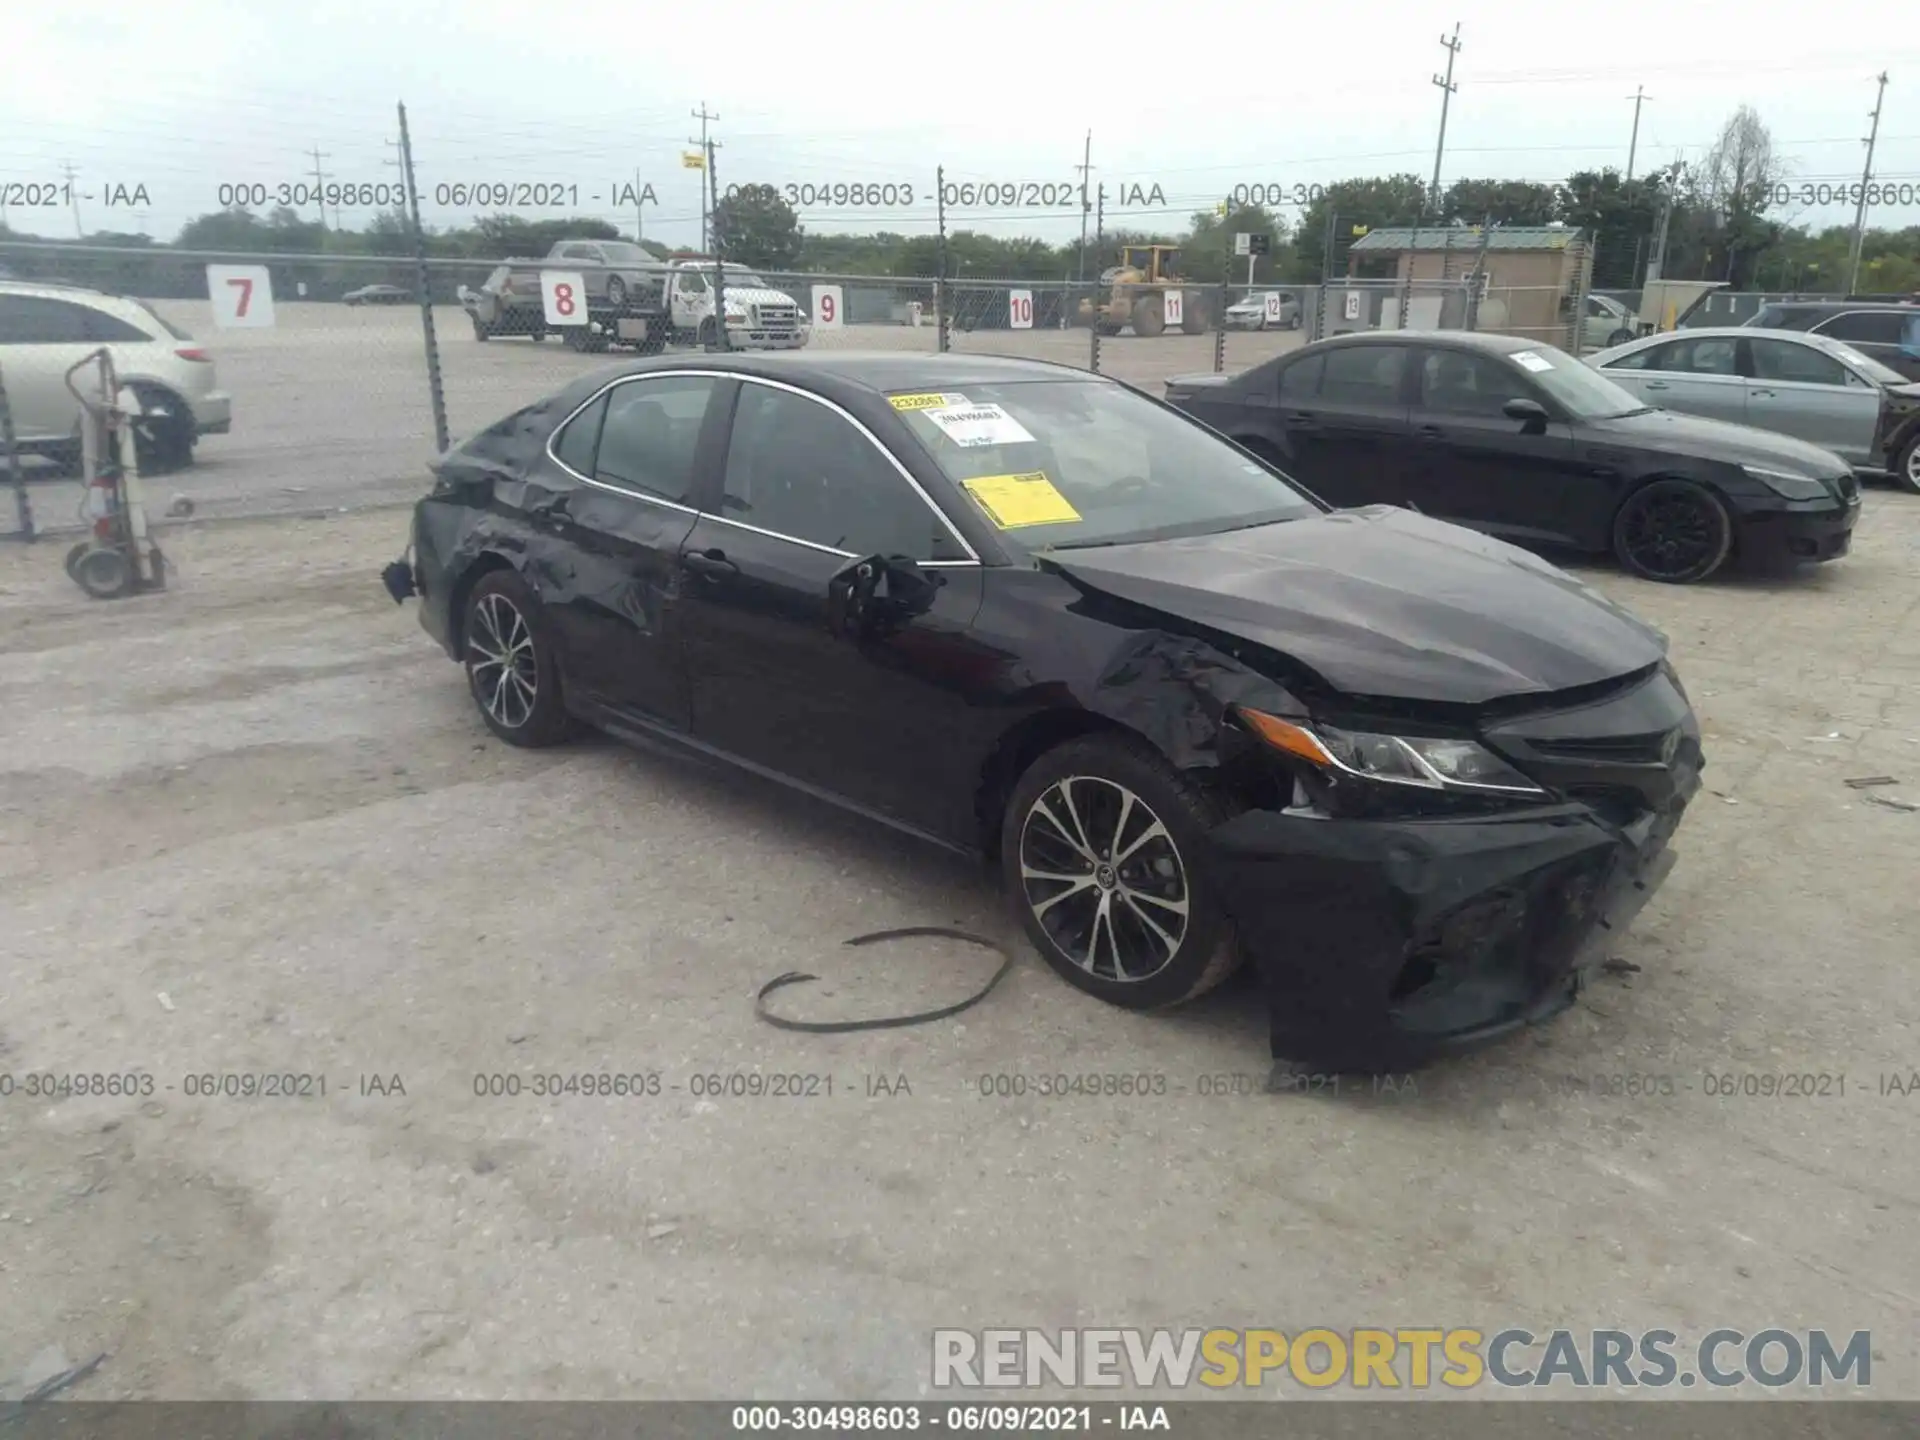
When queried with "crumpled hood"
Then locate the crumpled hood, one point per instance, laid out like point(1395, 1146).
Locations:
point(1384, 603)
point(1704, 439)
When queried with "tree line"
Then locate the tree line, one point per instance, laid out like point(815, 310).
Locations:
point(1728, 218)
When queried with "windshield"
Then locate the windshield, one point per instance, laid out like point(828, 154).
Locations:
point(172, 329)
point(623, 254)
point(744, 279)
point(1072, 463)
point(1582, 392)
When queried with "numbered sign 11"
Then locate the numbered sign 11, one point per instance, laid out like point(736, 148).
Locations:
point(242, 296)
point(563, 296)
point(828, 307)
point(1020, 309)
point(1175, 308)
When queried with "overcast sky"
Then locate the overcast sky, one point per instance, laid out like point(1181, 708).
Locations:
point(184, 97)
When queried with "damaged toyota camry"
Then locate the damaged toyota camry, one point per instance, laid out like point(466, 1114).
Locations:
point(1414, 775)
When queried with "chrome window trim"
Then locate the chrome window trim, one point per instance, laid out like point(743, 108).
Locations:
point(873, 440)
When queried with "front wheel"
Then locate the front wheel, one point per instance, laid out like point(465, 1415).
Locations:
point(512, 669)
point(1906, 473)
point(1673, 531)
point(1103, 850)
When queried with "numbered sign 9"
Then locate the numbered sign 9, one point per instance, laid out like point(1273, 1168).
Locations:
point(828, 303)
point(563, 296)
point(242, 296)
point(1174, 310)
point(1020, 309)
point(1274, 313)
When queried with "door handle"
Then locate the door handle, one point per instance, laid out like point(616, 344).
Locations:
point(1656, 385)
point(1431, 432)
point(1763, 394)
point(1300, 420)
point(709, 564)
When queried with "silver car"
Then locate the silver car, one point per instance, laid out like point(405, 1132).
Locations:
point(1251, 313)
point(1808, 386)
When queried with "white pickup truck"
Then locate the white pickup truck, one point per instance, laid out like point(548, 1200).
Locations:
point(758, 316)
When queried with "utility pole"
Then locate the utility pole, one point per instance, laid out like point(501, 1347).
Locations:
point(1447, 89)
point(639, 208)
point(1866, 179)
point(1633, 145)
point(73, 198)
point(706, 175)
point(1085, 167)
point(320, 184)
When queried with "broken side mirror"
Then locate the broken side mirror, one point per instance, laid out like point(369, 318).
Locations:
point(878, 594)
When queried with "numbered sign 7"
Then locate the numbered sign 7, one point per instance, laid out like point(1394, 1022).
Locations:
point(563, 296)
point(241, 295)
point(1020, 309)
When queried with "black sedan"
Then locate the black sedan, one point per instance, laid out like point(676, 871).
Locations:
point(1025, 611)
point(1523, 441)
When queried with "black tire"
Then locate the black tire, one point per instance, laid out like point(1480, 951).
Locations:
point(104, 572)
point(1619, 337)
point(504, 618)
point(73, 558)
point(656, 340)
point(1193, 318)
point(481, 332)
point(1097, 771)
point(537, 334)
point(616, 291)
point(1147, 317)
point(163, 435)
point(704, 336)
point(1906, 470)
point(1673, 531)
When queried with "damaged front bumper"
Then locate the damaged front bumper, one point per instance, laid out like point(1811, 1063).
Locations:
point(1384, 944)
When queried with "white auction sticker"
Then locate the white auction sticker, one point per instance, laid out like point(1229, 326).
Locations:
point(971, 426)
point(563, 296)
point(242, 296)
point(1532, 360)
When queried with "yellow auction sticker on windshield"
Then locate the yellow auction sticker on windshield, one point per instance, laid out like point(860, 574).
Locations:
point(1013, 501)
point(926, 402)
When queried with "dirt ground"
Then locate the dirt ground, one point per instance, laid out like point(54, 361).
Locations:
point(252, 826)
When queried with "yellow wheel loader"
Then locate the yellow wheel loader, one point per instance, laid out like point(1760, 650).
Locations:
point(1147, 292)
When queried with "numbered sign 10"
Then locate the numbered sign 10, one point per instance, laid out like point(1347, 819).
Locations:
point(1175, 308)
point(829, 305)
point(563, 296)
point(1020, 309)
point(242, 296)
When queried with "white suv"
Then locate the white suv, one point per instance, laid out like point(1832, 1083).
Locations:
point(46, 329)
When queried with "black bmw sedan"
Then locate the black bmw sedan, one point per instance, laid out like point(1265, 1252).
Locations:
point(1024, 611)
point(1523, 441)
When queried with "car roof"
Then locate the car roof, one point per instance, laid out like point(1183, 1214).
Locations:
point(879, 372)
point(1450, 339)
point(1838, 307)
point(52, 290)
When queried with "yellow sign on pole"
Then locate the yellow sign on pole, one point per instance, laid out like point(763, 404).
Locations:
point(693, 160)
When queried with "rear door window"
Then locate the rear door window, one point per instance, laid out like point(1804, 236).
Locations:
point(1300, 381)
point(1786, 361)
point(1363, 375)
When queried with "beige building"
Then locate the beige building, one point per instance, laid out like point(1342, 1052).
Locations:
point(1532, 279)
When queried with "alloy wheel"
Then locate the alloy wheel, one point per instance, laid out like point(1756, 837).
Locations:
point(500, 658)
point(1913, 467)
point(1104, 879)
point(1670, 534)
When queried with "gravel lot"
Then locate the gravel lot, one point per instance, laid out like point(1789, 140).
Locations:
point(331, 406)
point(253, 825)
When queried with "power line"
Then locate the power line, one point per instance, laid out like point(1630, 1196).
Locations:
point(1866, 178)
point(1447, 90)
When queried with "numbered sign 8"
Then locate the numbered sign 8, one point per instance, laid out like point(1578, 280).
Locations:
point(1274, 311)
point(242, 296)
point(1174, 311)
point(828, 304)
point(563, 296)
point(1020, 309)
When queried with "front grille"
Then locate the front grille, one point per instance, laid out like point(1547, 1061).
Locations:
point(776, 317)
point(1617, 749)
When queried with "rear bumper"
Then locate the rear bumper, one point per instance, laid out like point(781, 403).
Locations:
point(1384, 945)
point(1791, 536)
point(212, 413)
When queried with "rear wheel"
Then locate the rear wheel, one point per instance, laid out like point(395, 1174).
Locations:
point(1673, 531)
point(163, 434)
point(1619, 337)
point(1906, 472)
point(1193, 318)
point(1103, 850)
point(512, 668)
point(1148, 317)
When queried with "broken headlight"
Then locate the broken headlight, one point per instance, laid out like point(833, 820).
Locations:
point(1426, 762)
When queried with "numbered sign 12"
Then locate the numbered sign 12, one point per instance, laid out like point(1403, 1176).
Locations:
point(1175, 307)
point(1274, 312)
point(563, 296)
point(242, 296)
point(1020, 309)
point(828, 305)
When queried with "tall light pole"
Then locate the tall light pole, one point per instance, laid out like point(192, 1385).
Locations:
point(1086, 206)
point(1866, 179)
point(1633, 145)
